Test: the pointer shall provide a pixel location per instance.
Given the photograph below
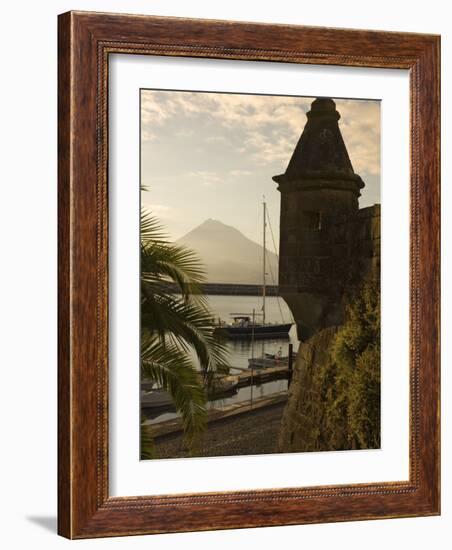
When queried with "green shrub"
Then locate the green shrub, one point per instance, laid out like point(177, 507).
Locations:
point(356, 358)
point(338, 404)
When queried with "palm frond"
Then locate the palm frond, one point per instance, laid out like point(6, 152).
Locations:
point(187, 325)
point(150, 228)
point(147, 447)
point(174, 326)
point(173, 371)
point(164, 262)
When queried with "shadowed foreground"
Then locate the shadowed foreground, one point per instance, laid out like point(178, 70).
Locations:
point(254, 432)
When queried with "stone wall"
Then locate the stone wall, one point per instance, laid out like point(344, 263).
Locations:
point(301, 423)
point(328, 248)
point(318, 266)
point(352, 254)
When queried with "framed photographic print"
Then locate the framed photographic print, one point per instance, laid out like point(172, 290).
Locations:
point(248, 275)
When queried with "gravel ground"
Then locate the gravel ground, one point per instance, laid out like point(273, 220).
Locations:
point(251, 433)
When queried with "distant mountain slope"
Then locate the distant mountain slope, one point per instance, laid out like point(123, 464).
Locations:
point(228, 255)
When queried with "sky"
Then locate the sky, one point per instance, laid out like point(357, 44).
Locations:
point(213, 155)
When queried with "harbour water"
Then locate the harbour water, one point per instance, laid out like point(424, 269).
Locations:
point(239, 351)
point(276, 311)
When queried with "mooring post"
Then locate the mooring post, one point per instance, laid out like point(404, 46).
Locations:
point(251, 386)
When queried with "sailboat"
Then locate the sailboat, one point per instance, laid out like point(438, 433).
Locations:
point(253, 326)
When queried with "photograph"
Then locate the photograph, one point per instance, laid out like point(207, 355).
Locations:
point(259, 274)
point(222, 354)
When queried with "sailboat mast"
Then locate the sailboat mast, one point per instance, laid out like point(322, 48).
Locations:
point(263, 264)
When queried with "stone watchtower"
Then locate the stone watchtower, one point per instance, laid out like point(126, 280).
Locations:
point(319, 219)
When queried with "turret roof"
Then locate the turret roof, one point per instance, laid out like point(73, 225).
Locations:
point(320, 151)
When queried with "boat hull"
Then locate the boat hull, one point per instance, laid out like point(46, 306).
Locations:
point(260, 332)
point(156, 399)
point(270, 361)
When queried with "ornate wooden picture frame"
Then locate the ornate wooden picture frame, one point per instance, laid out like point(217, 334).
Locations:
point(86, 41)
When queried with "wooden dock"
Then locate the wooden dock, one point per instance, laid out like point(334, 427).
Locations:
point(174, 425)
point(245, 377)
point(257, 375)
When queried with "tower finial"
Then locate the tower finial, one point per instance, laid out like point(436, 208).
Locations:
point(320, 153)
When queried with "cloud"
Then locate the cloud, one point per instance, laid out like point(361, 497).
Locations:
point(147, 135)
point(269, 149)
point(216, 139)
point(205, 177)
point(360, 127)
point(230, 110)
point(184, 133)
point(238, 173)
point(268, 126)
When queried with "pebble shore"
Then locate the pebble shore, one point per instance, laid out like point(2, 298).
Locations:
point(250, 433)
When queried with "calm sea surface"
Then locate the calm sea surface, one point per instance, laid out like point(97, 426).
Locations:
point(276, 311)
point(240, 351)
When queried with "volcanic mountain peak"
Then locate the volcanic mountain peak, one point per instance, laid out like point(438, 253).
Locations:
point(229, 256)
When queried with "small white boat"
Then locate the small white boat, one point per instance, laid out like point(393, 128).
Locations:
point(156, 398)
point(147, 384)
point(270, 360)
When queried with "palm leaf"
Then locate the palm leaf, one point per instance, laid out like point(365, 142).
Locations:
point(174, 326)
point(172, 370)
point(164, 262)
point(147, 447)
point(150, 228)
point(187, 325)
